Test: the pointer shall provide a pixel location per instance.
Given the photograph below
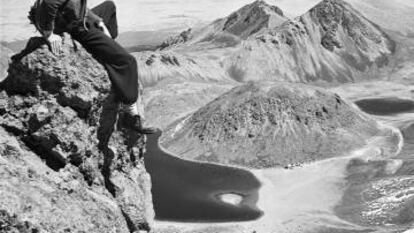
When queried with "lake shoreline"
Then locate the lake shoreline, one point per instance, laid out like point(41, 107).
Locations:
point(181, 188)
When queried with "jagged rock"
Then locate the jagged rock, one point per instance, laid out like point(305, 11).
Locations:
point(34, 197)
point(183, 37)
point(268, 125)
point(12, 224)
point(53, 106)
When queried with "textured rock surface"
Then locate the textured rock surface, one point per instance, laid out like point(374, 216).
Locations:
point(55, 177)
point(267, 125)
point(42, 199)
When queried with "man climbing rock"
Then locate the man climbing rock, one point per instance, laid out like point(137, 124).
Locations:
point(96, 30)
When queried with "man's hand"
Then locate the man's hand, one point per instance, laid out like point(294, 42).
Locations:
point(104, 29)
point(54, 42)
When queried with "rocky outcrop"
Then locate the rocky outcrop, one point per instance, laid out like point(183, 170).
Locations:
point(57, 176)
point(35, 198)
point(183, 37)
point(268, 125)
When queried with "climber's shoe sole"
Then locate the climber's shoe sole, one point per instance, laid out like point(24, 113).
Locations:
point(147, 130)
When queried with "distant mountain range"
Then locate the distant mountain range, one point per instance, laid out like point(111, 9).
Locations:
point(331, 43)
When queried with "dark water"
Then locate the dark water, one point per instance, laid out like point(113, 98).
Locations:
point(386, 106)
point(188, 192)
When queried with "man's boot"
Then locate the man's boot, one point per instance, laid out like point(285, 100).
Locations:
point(135, 120)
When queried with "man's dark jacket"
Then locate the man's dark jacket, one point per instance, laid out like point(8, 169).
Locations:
point(63, 15)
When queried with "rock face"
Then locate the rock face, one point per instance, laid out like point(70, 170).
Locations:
point(330, 44)
point(35, 198)
point(54, 175)
point(268, 125)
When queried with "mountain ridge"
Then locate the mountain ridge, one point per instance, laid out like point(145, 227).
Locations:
point(242, 23)
point(330, 44)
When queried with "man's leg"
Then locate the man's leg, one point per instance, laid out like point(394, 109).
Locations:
point(121, 67)
point(107, 11)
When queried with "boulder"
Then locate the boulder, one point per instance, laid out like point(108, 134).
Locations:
point(56, 107)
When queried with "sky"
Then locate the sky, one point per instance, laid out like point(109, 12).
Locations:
point(152, 15)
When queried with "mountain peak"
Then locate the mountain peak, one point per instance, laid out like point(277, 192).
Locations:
point(241, 24)
point(331, 8)
point(265, 6)
point(252, 18)
point(334, 16)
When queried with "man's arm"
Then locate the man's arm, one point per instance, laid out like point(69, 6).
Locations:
point(51, 9)
point(98, 21)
